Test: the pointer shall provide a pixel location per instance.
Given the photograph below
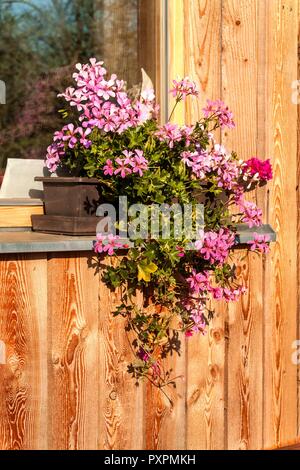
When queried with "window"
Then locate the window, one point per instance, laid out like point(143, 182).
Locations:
point(42, 40)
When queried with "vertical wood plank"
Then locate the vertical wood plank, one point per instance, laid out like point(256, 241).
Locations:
point(280, 384)
point(205, 355)
point(121, 401)
point(240, 45)
point(245, 401)
point(73, 353)
point(164, 420)
point(23, 377)
point(165, 417)
point(298, 225)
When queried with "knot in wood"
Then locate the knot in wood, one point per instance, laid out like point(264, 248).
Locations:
point(217, 334)
point(113, 395)
point(214, 371)
point(84, 332)
point(55, 359)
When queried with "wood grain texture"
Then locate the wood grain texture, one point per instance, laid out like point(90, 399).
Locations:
point(244, 359)
point(205, 387)
point(205, 355)
point(298, 224)
point(165, 416)
point(280, 384)
point(23, 379)
point(73, 353)
point(18, 216)
point(120, 401)
point(240, 43)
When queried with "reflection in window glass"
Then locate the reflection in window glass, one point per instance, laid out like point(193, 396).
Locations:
point(40, 42)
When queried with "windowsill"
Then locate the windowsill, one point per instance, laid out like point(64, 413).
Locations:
point(34, 242)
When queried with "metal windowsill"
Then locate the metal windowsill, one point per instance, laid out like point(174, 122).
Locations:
point(34, 242)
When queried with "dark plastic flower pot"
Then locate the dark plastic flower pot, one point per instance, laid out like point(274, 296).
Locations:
point(70, 206)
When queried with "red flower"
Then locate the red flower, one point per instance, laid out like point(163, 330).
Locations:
point(259, 167)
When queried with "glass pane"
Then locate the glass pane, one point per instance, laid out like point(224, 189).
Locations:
point(42, 40)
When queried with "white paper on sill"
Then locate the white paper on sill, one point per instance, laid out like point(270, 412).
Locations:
point(18, 181)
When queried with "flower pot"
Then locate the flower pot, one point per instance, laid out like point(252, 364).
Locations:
point(70, 206)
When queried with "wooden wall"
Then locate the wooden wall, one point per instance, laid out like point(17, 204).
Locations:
point(244, 393)
point(65, 385)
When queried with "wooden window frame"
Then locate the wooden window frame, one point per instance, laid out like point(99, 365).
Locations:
point(153, 48)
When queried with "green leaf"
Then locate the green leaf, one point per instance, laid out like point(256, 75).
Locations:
point(145, 269)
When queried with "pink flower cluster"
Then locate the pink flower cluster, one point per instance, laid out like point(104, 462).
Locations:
point(219, 110)
point(107, 244)
point(183, 88)
point(69, 136)
point(258, 169)
point(104, 103)
point(232, 295)
point(55, 152)
point(199, 283)
point(216, 245)
point(196, 310)
point(134, 162)
point(72, 136)
point(260, 243)
point(251, 214)
point(169, 133)
point(199, 161)
point(199, 325)
point(217, 162)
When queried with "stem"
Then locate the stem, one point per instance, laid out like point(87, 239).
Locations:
point(178, 99)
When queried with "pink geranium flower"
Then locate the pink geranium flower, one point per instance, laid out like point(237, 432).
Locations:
point(112, 244)
point(107, 243)
point(99, 244)
point(83, 133)
point(260, 243)
point(251, 214)
point(198, 282)
point(169, 133)
point(183, 88)
point(220, 111)
point(139, 163)
point(106, 88)
point(104, 103)
point(259, 168)
point(54, 154)
point(216, 245)
point(128, 154)
point(233, 294)
point(123, 168)
point(108, 168)
point(70, 136)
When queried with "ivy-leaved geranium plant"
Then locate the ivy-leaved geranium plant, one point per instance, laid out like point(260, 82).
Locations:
point(118, 139)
